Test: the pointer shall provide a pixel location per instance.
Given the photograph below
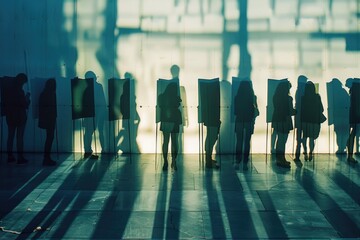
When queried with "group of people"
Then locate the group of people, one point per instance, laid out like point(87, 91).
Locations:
point(308, 115)
point(15, 107)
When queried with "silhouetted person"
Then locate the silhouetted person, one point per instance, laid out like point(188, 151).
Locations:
point(340, 105)
point(99, 118)
point(175, 72)
point(212, 123)
point(246, 110)
point(127, 105)
point(354, 117)
point(281, 120)
point(298, 97)
point(170, 117)
point(125, 113)
point(47, 118)
point(16, 116)
point(311, 118)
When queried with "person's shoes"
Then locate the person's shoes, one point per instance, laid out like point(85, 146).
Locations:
point(282, 164)
point(306, 157)
point(90, 155)
point(311, 156)
point(245, 167)
point(339, 152)
point(298, 162)
point(212, 164)
point(352, 160)
point(11, 159)
point(21, 161)
point(49, 162)
point(165, 166)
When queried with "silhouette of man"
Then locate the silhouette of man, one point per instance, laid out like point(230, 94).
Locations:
point(16, 116)
point(100, 103)
point(47, 118)
point(354, 116)
point(212, 123)
point(340, 105)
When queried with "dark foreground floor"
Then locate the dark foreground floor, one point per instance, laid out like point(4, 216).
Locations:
point(130, 197)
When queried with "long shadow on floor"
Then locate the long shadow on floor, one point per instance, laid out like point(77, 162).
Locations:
point(84, 175)
point(29, 178)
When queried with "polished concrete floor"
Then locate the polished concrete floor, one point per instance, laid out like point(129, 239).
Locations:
point(129, 197)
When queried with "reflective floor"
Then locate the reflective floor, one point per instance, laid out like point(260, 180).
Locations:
point(129, 197)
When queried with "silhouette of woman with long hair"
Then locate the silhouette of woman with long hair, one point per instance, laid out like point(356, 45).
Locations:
point(246, 110)
point(311, 118)
point(281, 121)
point(170, 117)
point(47, 117)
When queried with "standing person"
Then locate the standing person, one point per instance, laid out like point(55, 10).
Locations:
point(281, 121)
point(16, 117)
point(246, 110)
point(311, 118)
point(212, 123)
point(340, 104)
point(354, 117)
point(170, 117)
point(98, 122)
point(47, 118)
point(298, 97)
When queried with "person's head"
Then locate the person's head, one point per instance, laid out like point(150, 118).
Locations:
point(245, 88)
point(128, 75)
point(349, 82)
point(310, 88)
point(302, 79)
point(283, 89)
point(21, 79)
point(175, 70)
point(90, 74)
point(50, 84)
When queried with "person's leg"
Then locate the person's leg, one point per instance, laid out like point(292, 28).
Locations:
point(20, 143)
point(298, 143)
point(165, 146)
point(311, 146)
point(174, 149)
point(280, 150)
point(211, 137)
point(239, 145)
point(247, 139)
point(357, 139)
point(47, 147)
point(342, 135)
point(305, 141)
point(88, 133)
point(273, 140)
point(350, 145)
point(10, 143)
